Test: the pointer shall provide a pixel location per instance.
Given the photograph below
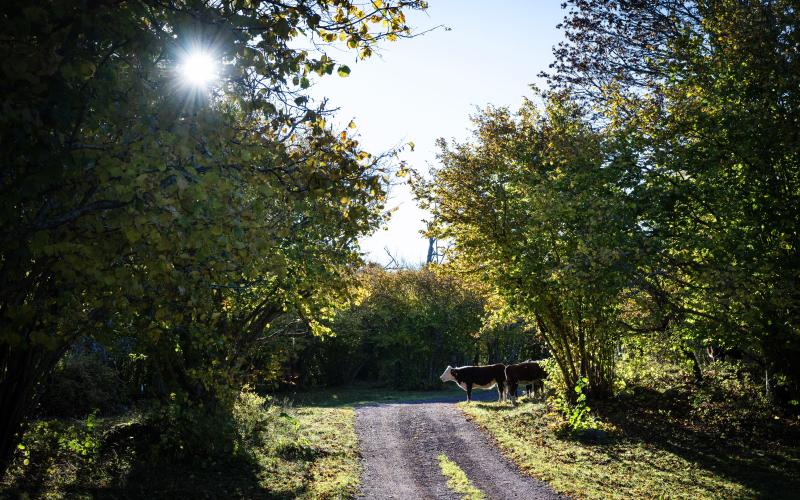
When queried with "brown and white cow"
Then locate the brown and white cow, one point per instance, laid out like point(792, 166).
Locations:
point(530, 373)
point(483, 377)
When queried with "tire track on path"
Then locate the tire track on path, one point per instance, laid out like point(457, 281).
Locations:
point(400, 443)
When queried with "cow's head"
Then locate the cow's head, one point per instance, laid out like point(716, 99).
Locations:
point(448, 375)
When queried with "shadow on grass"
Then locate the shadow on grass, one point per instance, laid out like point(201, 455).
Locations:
point(768, 467)
point(227, 479)
point(145, 479)
point(125, 467)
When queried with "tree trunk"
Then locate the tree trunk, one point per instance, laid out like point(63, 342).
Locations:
point(21, 367)
point(698, 373)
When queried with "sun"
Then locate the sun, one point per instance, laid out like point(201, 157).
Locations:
point(198, 69)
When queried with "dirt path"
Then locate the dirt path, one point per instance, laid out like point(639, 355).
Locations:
point(400, 443)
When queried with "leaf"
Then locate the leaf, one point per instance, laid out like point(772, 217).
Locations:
point(343, 71)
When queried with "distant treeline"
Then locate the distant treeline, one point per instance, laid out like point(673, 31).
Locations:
point(404, 327)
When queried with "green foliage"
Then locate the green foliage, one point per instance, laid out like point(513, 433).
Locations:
point(533, 214)
point(281, 450)
point(577, 413)
point(190, 430)
point(403, 327)
point(653, 191)
point(263, 426)
point(192, 220)
point(48, 444)
point(704, 97)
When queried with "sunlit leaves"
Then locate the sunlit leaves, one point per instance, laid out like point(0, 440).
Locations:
point(131, 208)
point(530, 209)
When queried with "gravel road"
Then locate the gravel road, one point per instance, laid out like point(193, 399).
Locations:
point(400, 443)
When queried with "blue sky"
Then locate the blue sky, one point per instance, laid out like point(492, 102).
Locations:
point(424, 88)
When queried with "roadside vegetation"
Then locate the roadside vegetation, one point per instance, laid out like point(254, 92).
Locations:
point(664, 438)
point(640, 214)
point(180, 271)
point(291, 445)
point(280, 450)
point(175, 206)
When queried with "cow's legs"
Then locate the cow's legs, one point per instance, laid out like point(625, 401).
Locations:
point(501, 391)
point(469, 391)
point(528, 388)
point(512, 391)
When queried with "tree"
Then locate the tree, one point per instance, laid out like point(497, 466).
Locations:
point(536, 208)
point(130, 205)
point(707, 94)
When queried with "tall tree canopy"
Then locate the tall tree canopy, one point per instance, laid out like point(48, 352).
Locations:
point(658, 190)
point(533, 206)
point(188, 218)
point(708, 93)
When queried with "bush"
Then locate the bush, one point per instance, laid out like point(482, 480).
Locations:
point(200, 432)
point(730, 400)
point(265, 428)
point(57, 452)
point(81, 384)
point(554, 383)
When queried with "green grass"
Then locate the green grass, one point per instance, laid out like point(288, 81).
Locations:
point(646, 451)
point(311, 452)
point(320, 462)
point(361, 394)
point(458, 481)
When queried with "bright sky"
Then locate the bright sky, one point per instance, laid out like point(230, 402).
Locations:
point(427, 87)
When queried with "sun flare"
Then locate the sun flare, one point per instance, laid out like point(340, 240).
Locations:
point(198, 69)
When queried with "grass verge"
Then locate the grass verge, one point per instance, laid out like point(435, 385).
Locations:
point(458, 481)
point(362, 394)
point(291, 446)
point(645, 450)
point(320, 461)
point(292, 452)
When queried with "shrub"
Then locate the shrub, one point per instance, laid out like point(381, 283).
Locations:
point(81, 384)
point(730, 400)
point(579, 420)
point(195, 431)
point(264, 427)
point(48, 446)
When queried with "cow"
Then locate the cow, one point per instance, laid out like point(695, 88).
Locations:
point(530, 373)
point(484, 377)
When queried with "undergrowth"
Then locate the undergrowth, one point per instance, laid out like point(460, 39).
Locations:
point(278, 451)
point(660, 437)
